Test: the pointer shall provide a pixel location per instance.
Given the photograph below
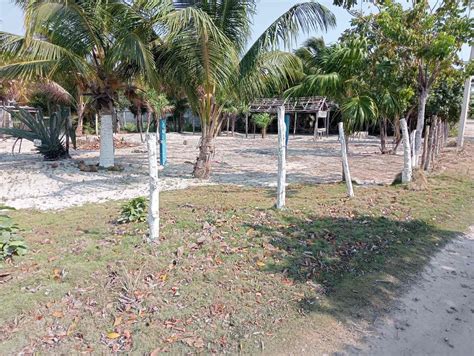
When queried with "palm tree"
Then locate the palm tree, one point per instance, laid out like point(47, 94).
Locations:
point(213, 67)
point(337, 74)
point(104, 45)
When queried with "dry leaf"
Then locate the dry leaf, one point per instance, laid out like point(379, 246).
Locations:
point(260, 264)
point(58, 314)
point(113, 335)
point(117, 321)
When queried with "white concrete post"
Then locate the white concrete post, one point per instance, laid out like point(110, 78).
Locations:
point(465, 105)
point(345, 162)
point(281, 158)
point(106, 158)
point(407, 165)
point(154, 203)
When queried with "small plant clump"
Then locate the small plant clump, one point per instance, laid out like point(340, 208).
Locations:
point(10, 243)
point(134, 211)
point(262, 121)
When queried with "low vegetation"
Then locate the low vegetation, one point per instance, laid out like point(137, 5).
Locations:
point(229, 274)
point(11, 243)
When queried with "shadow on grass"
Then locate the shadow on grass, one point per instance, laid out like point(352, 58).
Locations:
point(357, 263)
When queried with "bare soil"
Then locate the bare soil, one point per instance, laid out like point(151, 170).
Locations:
point(29, 182)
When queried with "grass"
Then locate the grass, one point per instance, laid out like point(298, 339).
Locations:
point(230, 274)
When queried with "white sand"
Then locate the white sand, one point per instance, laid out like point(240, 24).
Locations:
point(29, 182)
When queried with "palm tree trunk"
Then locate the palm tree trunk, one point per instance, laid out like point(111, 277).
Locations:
point(106, 158)
point(202, 167)
point(383, 135)
point(80, 115)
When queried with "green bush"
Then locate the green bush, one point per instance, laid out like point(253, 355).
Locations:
point(134, 211)
point(10, 243)
point(130, 127)
point(49, 135)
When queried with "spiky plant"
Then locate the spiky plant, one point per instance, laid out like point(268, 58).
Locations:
point(49, 137)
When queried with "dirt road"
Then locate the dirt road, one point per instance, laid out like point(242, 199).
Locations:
point(436, 317)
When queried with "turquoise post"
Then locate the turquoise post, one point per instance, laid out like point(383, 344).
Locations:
point(162, 130)
point(287, 124)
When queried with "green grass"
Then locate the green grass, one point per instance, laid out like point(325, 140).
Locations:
point(229, 273)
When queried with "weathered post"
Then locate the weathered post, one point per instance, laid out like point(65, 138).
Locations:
point(466, 99)
point(345, 162)
point(425, 145)
point(281, 159)
point(414, 156)
point(296, 120)
point(407, 165)
point(154, 204)
point(246, 125)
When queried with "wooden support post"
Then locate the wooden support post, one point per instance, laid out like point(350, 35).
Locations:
point(254, 130)
point(407, 165)
point(154, 204)
point(246, 125)
point(466, 99)
point(425, 145)
point(194, 125)
point(414, 157)
point(281, 158)
point(429, 152)
point(294, 127)
point(316, 121)
point(345, 162)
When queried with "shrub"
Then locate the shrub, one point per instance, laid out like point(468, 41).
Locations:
point(134, 211)
point(48, 135)
point(262, 121)
point(10, 243)
point(130, 127)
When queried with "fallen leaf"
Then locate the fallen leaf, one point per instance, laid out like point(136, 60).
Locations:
point(117, 321)
point(58, 314)
point(113, 335)
point(260, 264)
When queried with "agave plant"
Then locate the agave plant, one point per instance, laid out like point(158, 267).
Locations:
point(49, 136)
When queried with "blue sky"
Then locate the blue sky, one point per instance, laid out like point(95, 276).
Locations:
point(11, 19)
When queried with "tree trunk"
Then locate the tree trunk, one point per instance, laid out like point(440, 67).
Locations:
point(254, 130)
point(228, 128)
point(202, 167)
point(106, 158)
point(412, 141)
point(153, 210)
point(140, 123)
point(383, 135)
point(264, 132)
point(345, 161)
point(233, 125)
point(420, 123)
point(80, 115)
point(281, 183)
point(407, 165)
point(97, 124)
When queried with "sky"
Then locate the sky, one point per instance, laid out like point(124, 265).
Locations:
point(11, 19)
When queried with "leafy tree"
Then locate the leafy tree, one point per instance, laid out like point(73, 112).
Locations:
point(212, 66)
point(428, 40)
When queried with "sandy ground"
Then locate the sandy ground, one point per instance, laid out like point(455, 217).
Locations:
point(29, 182)
point(436, 316)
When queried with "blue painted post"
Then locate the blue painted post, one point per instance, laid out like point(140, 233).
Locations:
point(162, 130)
point(287, 124)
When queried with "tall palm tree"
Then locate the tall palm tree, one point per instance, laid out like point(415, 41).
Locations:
point(215, 67)
point(104, 44)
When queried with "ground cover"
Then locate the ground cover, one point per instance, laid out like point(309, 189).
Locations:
point(230, 274)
